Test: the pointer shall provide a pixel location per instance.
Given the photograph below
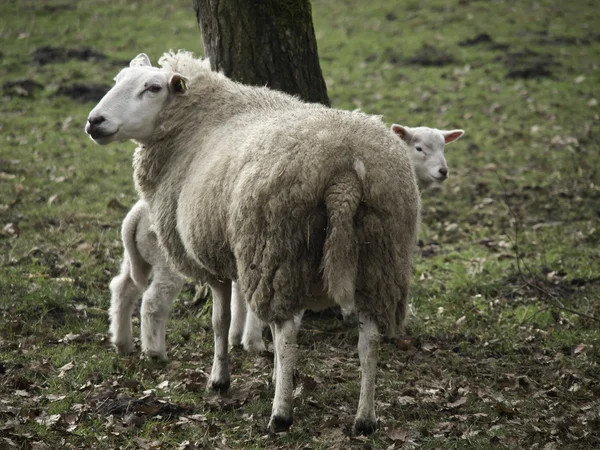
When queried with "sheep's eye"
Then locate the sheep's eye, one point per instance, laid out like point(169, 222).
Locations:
point(419, 149)
point(155, 88)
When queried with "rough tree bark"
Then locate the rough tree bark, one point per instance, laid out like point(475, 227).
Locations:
point(264, 42)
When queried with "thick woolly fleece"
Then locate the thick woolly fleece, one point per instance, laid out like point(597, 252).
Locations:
point(289, 198)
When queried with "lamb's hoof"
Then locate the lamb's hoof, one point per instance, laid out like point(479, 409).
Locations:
point(364, 426)
point(255, 346)
point(220, 386)
point(279, 424)
point(155, 356)
point(123, 348)
point(235, 341)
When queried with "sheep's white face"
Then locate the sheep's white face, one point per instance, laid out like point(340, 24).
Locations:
point(427, 151)
point(131, 108)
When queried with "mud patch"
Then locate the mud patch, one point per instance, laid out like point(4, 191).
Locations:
point(528, 64)
point(24, 87)
point(485, 39)
point(429, 56)
point(58, 8)
point(84, 92)
point(47, 54)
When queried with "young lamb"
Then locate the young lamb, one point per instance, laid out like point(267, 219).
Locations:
point(427, 151)
point(245, 329)
point(303, 205)
point(141, 257)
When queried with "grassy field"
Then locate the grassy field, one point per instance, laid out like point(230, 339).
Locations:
point(503, 347)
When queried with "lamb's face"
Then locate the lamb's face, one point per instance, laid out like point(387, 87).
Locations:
point(130, 110)
point(427, 151)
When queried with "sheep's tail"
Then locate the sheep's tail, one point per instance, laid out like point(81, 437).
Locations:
point(340, 252)
point(139, 267)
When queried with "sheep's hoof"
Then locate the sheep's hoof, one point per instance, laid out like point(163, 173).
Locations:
point(364, 426)
point(220, 386)
point(279, 424)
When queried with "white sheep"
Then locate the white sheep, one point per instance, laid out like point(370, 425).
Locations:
point(428, 162)
point(305, 206)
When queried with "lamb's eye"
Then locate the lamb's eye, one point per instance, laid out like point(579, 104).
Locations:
point(155, 88)
point(419, 149)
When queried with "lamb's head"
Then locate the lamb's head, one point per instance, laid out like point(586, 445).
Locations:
point(427, 151)
point(130, 110)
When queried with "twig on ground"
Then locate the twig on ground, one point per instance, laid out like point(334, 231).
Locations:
point(554, 300)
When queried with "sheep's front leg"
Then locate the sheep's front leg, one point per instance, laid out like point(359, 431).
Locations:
point(368, 347)
point(156, 306)
point(286, 354)
point(124, 295)
point(221, 295)
point(238, 316)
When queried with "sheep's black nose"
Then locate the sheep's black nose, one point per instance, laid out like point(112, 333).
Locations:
point(444, 171)
point(96, 120)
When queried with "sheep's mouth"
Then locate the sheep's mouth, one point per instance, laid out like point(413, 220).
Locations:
point(439, 179)
point(101, 136)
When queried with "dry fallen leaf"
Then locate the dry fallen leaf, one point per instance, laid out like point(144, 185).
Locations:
point(579, 348)
point(457, 403)
point(48, 421)
point(397, 434)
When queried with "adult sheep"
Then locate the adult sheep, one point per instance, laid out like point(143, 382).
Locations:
point(304, 205)
point(142, 256)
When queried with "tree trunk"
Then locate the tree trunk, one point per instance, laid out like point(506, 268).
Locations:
point(264, 42)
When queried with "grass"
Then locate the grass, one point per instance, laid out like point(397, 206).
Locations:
point(487, 360)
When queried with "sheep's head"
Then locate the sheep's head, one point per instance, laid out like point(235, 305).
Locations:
point(130, 110)
point(427, 151)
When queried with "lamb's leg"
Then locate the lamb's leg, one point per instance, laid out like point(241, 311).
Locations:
point(274, 337)
point(252, 339)
point(286, 354)
point(221, 295)
point(156, 306)
point(124, 295)
point(368, 347)
point(238, 316)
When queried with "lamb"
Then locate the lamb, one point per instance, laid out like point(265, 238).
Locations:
point(427, 157)
point(428, 151)
point(141, 257)
point(303, 205)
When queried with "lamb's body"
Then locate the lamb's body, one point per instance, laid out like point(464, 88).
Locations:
point(290, 199)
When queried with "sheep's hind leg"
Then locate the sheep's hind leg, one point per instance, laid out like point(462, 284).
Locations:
point(286, 354)
point(221, 316)
point(156, 306)
point(124, 295)
point(368, 347)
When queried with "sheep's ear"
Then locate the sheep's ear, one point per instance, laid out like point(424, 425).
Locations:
point(402, 132)
point(140, 60)
point(452, 135)
point(179, 84)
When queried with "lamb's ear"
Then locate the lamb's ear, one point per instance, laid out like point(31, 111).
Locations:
point(179, 84)
point(140, 60)
point(451, 135)
point(402, 132)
